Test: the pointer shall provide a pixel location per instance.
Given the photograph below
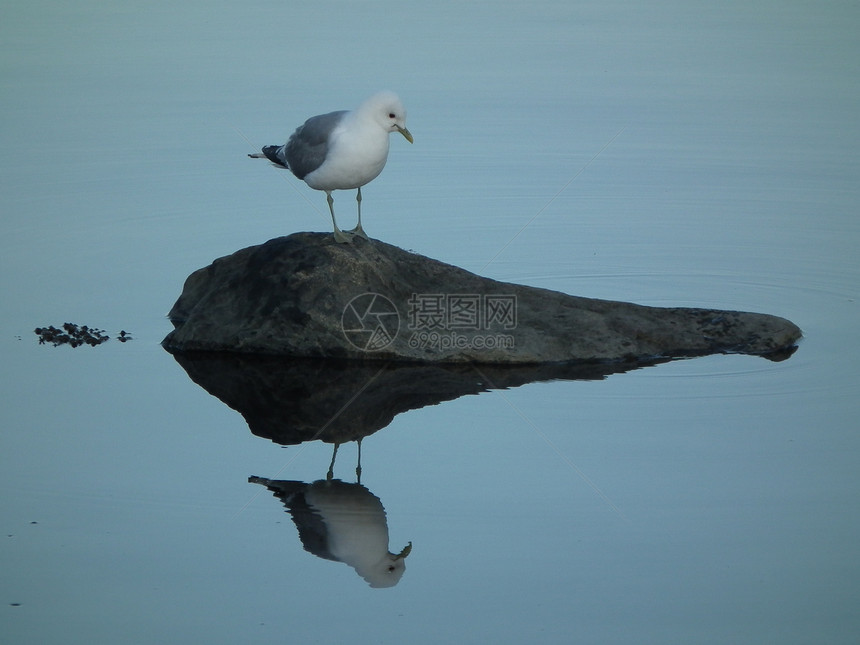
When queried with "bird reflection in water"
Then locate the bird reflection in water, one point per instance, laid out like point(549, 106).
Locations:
point(342, 522)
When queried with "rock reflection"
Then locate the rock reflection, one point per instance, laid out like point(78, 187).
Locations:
point(291, 401)
point(342, 522)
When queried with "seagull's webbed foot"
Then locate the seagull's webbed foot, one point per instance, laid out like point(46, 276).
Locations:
point(358, 231)
point(343, 237)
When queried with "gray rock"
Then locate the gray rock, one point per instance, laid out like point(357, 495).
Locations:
point(305, 295)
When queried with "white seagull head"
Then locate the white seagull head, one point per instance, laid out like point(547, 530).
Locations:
point(386, 109)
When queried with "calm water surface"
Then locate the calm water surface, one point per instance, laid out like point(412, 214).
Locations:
point(674, 154)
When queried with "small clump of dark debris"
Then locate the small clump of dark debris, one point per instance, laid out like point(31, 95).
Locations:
point(71, 334)
point(76, 335)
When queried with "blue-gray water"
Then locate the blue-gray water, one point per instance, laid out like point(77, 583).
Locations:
point(667, 153)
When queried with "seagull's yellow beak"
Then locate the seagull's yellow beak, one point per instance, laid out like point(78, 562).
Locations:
point(408, 548)
point(406, 133)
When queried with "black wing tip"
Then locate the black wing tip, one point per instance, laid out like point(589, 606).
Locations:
point(271, 153)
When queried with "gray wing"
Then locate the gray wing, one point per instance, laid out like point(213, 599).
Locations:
point(312, 529)
point(307, 147)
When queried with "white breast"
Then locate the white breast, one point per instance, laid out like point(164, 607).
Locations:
point(358, 150)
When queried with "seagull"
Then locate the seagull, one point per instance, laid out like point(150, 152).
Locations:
point(344, 523)
point(342, 150)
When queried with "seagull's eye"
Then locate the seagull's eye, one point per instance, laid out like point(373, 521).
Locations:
point(391, 115)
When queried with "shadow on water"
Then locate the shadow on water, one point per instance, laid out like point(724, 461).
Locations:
point(342, 522)
point(290, 401)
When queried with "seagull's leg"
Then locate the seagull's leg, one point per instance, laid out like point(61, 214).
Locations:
point(330, 473)
point(358, 467)
point(358, 230)
point(339, 236)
